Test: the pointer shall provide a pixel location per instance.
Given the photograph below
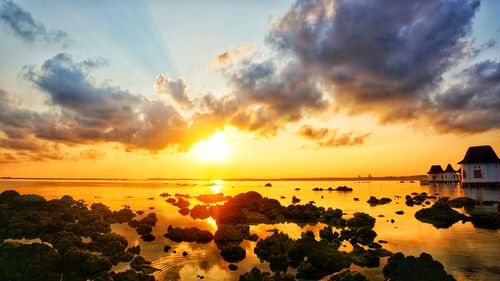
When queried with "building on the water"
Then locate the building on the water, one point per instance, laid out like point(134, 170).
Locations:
point(480, 165)
point(435, 174)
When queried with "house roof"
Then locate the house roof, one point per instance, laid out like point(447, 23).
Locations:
point(435, 169)
point(449, 169)
point(480, 154)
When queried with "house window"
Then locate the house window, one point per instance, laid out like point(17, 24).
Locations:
point(478, 174)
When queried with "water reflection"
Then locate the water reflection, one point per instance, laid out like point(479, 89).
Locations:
point(466, 252)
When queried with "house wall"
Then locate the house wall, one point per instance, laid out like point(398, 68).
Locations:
point(450, 177)
point(489, 172)
point(434, 177)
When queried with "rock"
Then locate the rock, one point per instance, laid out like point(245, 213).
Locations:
point(28, 262)
point(200, 212)
point(166, 248)
point(134, 249)
point(140, 213)
point(463, 202)
point(486, 221)
point(148, 237)
point(295, 200)
point(231, 235)
point(348, 275)
point(184, 211)
point(256, 275)
point(213, 198)
point(361, 220)
point(356, 199)
point(268, 184)
point(233, 253)
point(400, 212)
point(184, 253)
point(232, 267)
point(181, 203)
point(192, 234)
point(441, 215)
point(171, 200)
point(343, 188)
point(143, 229)
point(131, 275)
point(373, 201)
point(362, 257)
point(8, 195)
point(410, 268)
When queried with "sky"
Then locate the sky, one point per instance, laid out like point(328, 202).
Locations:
point(245, 89)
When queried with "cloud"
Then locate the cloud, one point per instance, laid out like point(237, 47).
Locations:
point(22, 24)
point(473, 104)
point(331, 138)
point(92, 154)
point(90, 112)
point(177, 89)
point(383, 57)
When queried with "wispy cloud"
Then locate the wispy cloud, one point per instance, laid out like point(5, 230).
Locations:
point(22, 24)
point(332, 138)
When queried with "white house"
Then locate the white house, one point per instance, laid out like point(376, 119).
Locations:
point(450, 174)
point(480, 165)
point(435, 174)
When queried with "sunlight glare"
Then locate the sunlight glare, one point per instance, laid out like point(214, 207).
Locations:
point(213, 149)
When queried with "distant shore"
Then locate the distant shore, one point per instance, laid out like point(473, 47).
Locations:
point(384, 178)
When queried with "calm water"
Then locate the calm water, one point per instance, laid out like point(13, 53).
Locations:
point(466, 252)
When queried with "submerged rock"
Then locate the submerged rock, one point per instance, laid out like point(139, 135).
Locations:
point(212, 198)
point(463, 202)
point(348, 275)
point(410, 268)
point(256, 275)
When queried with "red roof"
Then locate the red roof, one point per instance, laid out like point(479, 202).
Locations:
point(480, 154)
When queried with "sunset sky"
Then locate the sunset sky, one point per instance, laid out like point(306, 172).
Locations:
point(231, 89)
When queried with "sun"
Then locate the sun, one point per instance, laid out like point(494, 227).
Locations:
point(214, 149)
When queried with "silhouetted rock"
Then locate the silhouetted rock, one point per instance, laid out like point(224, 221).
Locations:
point(134, 249)
point(28, 262)
point(212, 198)
point(441, 215)
point(231, 234)
point(166, 248)
point(343, 188)
point(233, 253)
point(463, 202)
point(348, 275)
point(295, 200)
point(200, 212)
point(268, 184)
point(232, 267)
point(256, 275)
point(131, 275)
point(400, 212)
point(410, 268)
point(192, 234)
point(8, 195)
point(143, 229)
point(181, 203)
point(148, 237)
point(184, 211)
point(184, 253)
point(373, 201)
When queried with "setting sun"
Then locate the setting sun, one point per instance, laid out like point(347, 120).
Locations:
point(214, 149)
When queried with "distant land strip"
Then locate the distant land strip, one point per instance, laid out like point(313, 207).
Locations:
point(383, 178)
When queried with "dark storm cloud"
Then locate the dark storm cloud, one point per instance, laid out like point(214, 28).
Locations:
point(380, 56)
point(23, 25)
point(100, 113)
point(472, 105)
point(331, 138)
